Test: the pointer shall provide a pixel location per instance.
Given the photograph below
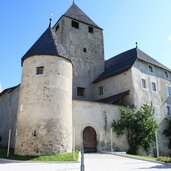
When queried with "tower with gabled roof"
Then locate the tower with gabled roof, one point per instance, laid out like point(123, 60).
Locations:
point(83, 40)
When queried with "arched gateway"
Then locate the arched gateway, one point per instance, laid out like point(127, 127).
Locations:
point(89, 139)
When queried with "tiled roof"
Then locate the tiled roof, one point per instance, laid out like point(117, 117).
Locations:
point(47, 44)
point(76, 13)
point(124, 61)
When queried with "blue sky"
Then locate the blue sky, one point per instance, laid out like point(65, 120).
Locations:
point(124, 22)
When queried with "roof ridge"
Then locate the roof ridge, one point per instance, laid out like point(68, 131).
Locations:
point(76, 13)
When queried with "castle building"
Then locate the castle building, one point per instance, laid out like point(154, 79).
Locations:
point(69, 92)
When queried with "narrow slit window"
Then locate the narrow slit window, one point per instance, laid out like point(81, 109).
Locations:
point(168, 110)
point(57, 27)
point(34, 133)
point(84, 50)
point(39, 70)
point(101, 90)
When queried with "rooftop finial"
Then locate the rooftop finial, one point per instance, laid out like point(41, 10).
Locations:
point(50, 21)
point(73, 2)
point(136, 45)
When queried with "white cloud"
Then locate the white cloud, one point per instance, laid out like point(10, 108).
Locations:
point(169, 38)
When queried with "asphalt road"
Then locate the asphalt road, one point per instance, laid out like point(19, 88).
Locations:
point(93, 162)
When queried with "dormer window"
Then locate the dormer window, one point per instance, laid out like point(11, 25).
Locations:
point(75, 24)
point(90, 29)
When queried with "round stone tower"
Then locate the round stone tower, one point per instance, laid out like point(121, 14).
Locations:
point(44, 120)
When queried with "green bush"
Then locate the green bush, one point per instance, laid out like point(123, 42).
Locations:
point(164, 159)
point(138, 125)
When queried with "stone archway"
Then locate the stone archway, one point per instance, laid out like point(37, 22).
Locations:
point(89, 139)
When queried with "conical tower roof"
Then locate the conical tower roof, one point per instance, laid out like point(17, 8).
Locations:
point(47, 44)
point(76, 13)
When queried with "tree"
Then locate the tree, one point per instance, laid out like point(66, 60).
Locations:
point(139, 126)
point(167, 131)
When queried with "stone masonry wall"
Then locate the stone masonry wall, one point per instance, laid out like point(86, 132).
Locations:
point(44, 123)
point(115, 85)
point(87, 66)
point(99, 116)
point(8, 114)
point(158, 99)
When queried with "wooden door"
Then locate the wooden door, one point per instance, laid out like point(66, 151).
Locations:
point(89, 139)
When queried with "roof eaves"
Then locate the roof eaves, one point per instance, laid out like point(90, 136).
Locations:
point(101, 77)
point(154, 62)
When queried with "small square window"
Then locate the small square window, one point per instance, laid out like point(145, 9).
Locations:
point(101, 90)
point(151, 69)
point(169, 90)
point(144, 85)
point(90, 29)
point(168, 110)
point(84, 50)
point(75, 24)
point(80, 91)
point(166, 74)
point(39, 70)
point(154, 88)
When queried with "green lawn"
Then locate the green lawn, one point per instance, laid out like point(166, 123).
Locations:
point(61, 157)
point(142, 157)
point(164, 159)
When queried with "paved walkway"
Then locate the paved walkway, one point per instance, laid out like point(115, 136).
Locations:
point(93, 162)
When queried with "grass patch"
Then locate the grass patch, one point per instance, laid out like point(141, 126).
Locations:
point(164, 159)
point(143, 157)
point(57, 157)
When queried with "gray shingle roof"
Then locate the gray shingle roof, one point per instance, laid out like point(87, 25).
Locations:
point(47, 44)
point(144, 57)
point(114, 98)
point(124, 61)
point(9, 90)
point(76, 13)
